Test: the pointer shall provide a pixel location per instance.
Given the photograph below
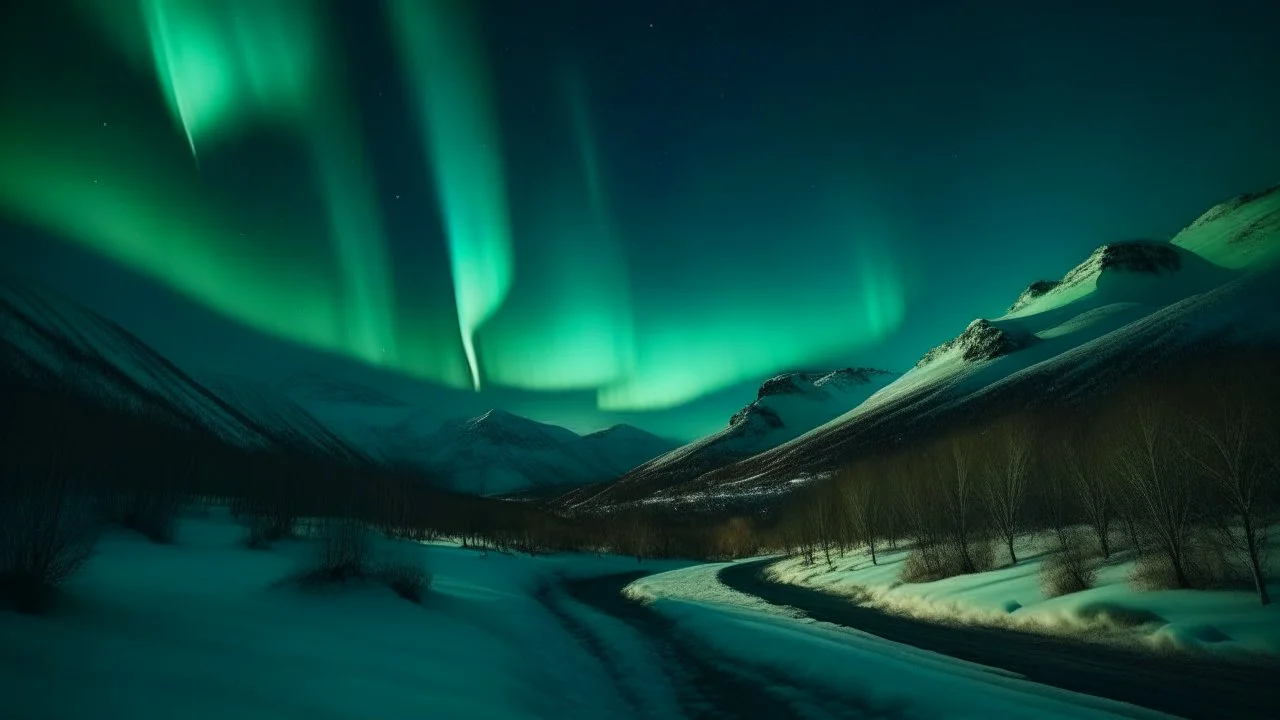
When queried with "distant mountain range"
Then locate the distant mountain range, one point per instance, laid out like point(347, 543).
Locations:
point(1129, 308)
point(492, 454)
point(786, 406)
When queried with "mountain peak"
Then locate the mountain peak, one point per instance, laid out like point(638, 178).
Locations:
point(796, 383)
point(982, 340)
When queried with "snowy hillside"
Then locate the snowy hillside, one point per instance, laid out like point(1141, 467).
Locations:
point(1226, 621)
point(491, 454)
point(206, 628)
point(1239, 233)
point(786, 406)
point(624, 447)
point(92, 355)
point(498, 453)
point(1129, 308)
point(269, 407)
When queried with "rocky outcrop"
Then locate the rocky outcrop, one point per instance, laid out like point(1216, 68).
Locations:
point(982, 340)
point(1034, 291)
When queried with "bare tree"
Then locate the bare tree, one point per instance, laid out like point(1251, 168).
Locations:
point(862, 496)
point(1092, 488)
point(956, 469)
point(1234, 456)
point(1005, 489)
point(1159, 487)
point(919, 507)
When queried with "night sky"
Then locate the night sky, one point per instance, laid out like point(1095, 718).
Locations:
point(601, 211)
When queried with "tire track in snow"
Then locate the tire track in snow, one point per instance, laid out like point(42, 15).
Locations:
point(707, 686)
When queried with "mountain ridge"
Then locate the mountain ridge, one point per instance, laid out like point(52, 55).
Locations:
point(1129, 308)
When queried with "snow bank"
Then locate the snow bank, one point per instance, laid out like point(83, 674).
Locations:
point(815, 666)
point(209, 629)
point(1228, 621)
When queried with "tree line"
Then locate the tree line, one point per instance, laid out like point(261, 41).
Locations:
point(75, 460)
point(1181, 468)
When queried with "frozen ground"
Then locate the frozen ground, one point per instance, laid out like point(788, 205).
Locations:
point(208, 629)
point(1226, 621)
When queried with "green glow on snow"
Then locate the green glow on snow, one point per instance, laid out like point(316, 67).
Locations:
point(443, 59)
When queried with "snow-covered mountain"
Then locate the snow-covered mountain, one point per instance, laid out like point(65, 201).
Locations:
point(48, 336)
point(499, 453)
point(786, 406)
point(43, 333)
point(1129, 308)
point(492, 454)
point(289, 421)
point(623, 447)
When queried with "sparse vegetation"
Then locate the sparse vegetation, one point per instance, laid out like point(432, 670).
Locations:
point(344, 551)
point(1072, 568)
point(47, 533)
point(407, 579)
point(267, 526)
point(1184, 463)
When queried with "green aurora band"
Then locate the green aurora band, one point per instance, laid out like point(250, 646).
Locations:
point(221, 62)
point(727, 335)
point(441, 52)
point(569, 321)
point(568, 324)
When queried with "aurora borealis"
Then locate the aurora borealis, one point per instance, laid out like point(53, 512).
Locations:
point(593, 212)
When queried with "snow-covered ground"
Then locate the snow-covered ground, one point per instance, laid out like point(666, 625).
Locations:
point(1230, 621)
point(885, 678)
point(207, 628)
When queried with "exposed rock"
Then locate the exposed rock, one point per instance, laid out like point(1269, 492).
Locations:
point(1035, 290)
point(982, 340)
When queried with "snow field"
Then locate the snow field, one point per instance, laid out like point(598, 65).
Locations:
point(209, 629)
point(1226, 621)
point(879, 678)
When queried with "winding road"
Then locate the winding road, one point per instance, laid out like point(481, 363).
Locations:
point(1183, 686)
point(707, 686)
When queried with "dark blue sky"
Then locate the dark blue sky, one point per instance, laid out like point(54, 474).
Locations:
point(752, 155)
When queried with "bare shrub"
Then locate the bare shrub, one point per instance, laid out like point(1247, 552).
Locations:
point(344, 551)
point(1206, 562)
point(926, 563)
point(154, 514)
point(268, 526)
point(48, 531)
point(1072, 568)
point(923, 564)
point(407, 579)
